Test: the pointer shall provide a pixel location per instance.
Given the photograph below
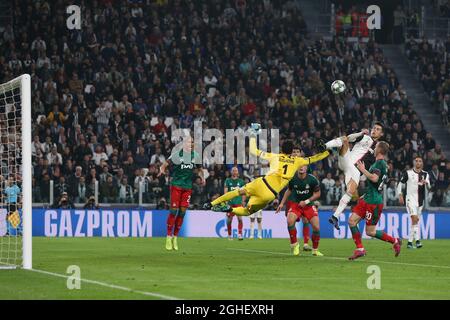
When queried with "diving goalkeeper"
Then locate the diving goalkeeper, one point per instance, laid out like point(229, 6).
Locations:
point(265, 189)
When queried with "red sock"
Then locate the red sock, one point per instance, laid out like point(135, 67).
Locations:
point(229, 222)
point(356, 237)
point(306, 233)
point(292, 233)
point(178, 223)
point(240, 226)
point(315, 239)
point(384, 236)
point(170, 223)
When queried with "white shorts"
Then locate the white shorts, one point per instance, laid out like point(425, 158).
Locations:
point(413, 210)
point(349, 169)
point(257, 214)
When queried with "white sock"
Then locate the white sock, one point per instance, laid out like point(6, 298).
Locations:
point(335, 143)
point(251, 229)
point(412, 230)
point(259, 229)
point(416, 232)
point(342, 204)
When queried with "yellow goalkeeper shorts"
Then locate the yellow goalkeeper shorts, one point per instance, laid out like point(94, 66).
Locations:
point(260, 194)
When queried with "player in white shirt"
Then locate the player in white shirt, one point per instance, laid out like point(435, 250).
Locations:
point(363, 149)
point(416, 180)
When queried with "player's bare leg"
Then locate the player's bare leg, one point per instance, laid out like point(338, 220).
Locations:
point(306, 234)
point(315, 236)
point(291, 220)
point(356, 235)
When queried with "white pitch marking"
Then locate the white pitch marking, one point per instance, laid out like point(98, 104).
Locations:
point(112, 286)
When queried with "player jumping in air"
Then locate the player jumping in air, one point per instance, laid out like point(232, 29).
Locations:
point(362, 149)
point(265, 189)
point(416, 180)
point(183, 165)
point(232, 183)
point(370, 206)
point(302, 191)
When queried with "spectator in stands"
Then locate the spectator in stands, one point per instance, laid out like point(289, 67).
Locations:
point(125, 192)
point(108, 191)
point(64, 202)
point(142, 85)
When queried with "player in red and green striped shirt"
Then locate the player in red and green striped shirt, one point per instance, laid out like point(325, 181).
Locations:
point(232, 183)
point(183, 165)
point(370, 205)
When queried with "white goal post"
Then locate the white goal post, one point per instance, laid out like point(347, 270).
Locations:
point(15, 174)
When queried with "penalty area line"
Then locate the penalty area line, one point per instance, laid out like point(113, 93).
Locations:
point(341, 258)
point(107, 285)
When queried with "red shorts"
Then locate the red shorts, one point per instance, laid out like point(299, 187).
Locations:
point(231, 214)
point(370, 212)
point(307, 211)
point(179, 197)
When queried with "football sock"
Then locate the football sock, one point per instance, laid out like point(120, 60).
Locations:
point(356, 235)
point(252, 225)
point(292, 233)
point(412, 231)
point(171, 221)
point(226, 197)
point(384, 236)
point(342, 204)
point(179, 221)
point(335, 143)
point(229, 221)
point(240, 226)
point(416, 232)
point(259, 229)
point(306, 232)
point(315, 239)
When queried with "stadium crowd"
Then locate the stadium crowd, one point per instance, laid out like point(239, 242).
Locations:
point(107, 97)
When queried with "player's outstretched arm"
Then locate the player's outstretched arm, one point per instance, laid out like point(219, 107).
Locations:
point(316, 157)
point(254, 131)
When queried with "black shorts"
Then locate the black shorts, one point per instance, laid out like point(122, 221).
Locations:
point(12, 207)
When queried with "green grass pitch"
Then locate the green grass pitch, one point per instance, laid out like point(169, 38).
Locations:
point(212, 268)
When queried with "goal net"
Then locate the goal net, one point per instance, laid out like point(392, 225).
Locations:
point(15, 173)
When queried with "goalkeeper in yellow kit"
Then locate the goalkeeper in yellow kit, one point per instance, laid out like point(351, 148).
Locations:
point(265, 189)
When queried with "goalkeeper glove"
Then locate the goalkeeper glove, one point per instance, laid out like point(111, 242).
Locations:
point(320, 146)
point(255, 129)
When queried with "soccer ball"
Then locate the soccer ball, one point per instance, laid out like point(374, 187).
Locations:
point(338, 86)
